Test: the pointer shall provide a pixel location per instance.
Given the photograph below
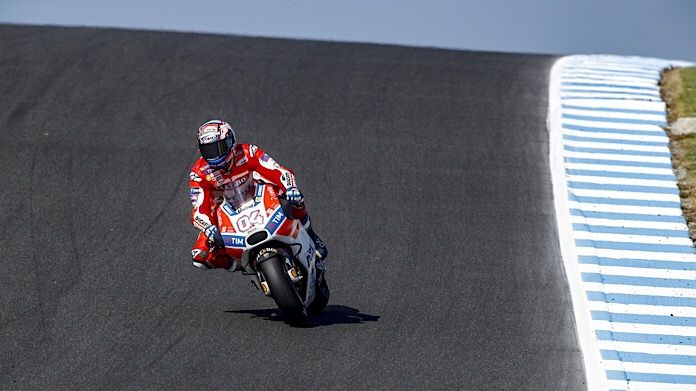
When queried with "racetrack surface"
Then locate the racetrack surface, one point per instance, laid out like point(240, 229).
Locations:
point(426, 171)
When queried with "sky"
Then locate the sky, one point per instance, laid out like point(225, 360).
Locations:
point(655, 28)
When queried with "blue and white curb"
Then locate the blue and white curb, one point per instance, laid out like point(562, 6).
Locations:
point(628, 258)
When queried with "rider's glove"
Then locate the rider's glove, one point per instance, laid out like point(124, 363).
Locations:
point(293, 195)
point(213, 235)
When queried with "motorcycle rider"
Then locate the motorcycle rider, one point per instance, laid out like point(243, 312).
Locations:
point(224, 169)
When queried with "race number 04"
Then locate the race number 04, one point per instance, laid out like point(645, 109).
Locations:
point(245, 222)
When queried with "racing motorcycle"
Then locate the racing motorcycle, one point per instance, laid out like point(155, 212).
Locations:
point(257, 229)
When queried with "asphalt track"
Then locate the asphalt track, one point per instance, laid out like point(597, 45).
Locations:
point(425, 170)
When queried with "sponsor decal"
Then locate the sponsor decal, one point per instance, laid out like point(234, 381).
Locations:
point(234, 241)
point(193, 194)
point(287, 180)
point(200, 221)
point(194, 177)
point(252, 149)
point(241, 161)
point(265, 157)
point(275, 221)
point(259, 193)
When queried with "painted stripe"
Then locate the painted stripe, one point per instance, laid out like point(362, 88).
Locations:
point(625, 289)
point(628, 188)
point(641, 299)
point(636, 159)
point(596, 124)
point(651, 89)
point(607, 335)
point(606, 91)
point(609, 96)
point(610, 149)
point(595, 138)
point(689, 275)
point(619, 148)
point(637, 281)
point(625, 163)
point(615, 133)
point(637, 263)
point(590, 104)
point(594, 134)
point(618, 174)
point(624, 201)
point(577, 80)
point(637, 309)
point(627, 238)
point(628, 223)
point(651, 377)
point(672, 199)
point(644, 319)
point(631, 231)
point(638, 210)
point(591, 75)
point(619, 168)
point(647, 255)
point(649, 358)
point(609, 112)
point(607, 119)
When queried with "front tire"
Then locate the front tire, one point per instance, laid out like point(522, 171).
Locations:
point(272, 266)
point(321, 297)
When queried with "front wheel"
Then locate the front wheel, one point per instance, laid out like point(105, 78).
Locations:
point(321, 298)
point(283, 292)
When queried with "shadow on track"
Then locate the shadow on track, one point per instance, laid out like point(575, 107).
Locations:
point(332, 314)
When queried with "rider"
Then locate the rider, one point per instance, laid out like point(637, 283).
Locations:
point(225, 166)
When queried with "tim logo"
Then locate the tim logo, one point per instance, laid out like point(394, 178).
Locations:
point(234, 241)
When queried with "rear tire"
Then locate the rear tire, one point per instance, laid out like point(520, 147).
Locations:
point(286, 297)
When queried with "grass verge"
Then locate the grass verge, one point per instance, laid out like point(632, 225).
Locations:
point(678, 89)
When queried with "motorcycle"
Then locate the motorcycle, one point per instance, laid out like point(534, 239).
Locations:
point(257, 229)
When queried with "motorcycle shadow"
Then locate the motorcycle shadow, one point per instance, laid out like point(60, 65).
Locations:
point(332, 314)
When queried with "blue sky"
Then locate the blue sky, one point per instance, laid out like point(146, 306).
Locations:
point(665, 28)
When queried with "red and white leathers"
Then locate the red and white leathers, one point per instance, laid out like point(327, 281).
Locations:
point(209, 187)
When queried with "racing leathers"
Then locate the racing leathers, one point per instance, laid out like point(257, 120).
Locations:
point(209, 187)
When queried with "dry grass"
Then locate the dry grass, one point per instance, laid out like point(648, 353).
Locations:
point(678, 89)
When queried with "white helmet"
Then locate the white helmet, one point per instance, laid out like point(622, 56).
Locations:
point(216, 142)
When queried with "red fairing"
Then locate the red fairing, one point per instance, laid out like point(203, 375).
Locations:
point(207, 186)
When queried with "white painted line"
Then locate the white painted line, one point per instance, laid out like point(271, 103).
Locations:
point(619, 289)
point(603, 76)
point(607, 95)
point(600, 77)
point(620, 327)
point(616, 146)
point(621, 181)
point(628, 223)
point(613, 168)
point(614, 114)
point(616, 104)
point(642, 210)
point(680, 241)
point(626, 158)
point(615, 136)
point(689, 274)
point(671, 369)
point(650, 310)
point(626, 195)
point(609, 90)
point(653, 348)
point(612, 125)
point(596, 378)
point(644, 255)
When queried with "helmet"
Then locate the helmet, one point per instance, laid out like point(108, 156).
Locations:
point(216, 143)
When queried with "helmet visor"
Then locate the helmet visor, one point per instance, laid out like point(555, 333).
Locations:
point(216, 150)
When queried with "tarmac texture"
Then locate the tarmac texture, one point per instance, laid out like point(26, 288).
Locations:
point(426, 172)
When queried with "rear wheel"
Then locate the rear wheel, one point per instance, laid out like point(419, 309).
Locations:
point(272, 266)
